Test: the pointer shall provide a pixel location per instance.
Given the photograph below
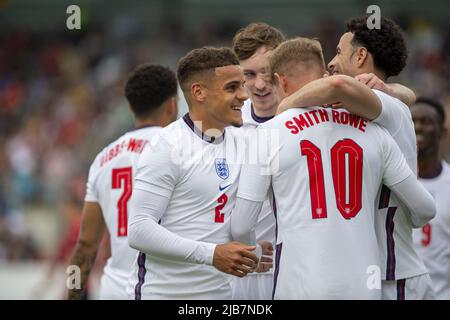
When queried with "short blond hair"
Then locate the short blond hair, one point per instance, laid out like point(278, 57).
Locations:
point(297, 50)
point(258, 34)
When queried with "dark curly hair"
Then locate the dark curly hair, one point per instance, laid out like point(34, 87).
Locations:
point(436, 105)
point(148, 87)
point(250, 38)
point(387, 44)
point(202, 60)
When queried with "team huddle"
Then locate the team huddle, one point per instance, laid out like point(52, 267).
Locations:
point(287, 179)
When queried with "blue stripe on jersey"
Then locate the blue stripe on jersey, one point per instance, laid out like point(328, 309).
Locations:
point(277, 267)
point(274, 204)
point(141, 276)
point(390, 247)
point(401, 289)
point(384, 197)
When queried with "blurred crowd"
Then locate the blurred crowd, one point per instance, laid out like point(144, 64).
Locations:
point(61, 101)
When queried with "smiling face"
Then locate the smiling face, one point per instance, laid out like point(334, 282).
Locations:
point(258, 82)
point(225, 96)
point(344, 62)
point(428, 129)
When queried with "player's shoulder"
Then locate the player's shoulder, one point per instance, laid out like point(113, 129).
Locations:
point(446, 171)
point(176, 128)
point(132, 141)
point(173, 134)
point(285, 116)
point(247, 114)
point(390, 101)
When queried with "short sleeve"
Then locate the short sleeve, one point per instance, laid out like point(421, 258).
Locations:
point(91, 190)
point(396, 169)
point(392, 113)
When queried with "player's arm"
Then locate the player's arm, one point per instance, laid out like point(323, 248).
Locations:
point(351, 94)
point(396, 90)
point(91, 233)
point(418, 200)
point(403, 182)
point(243, 221)
point(146, 235)
point(154, 184)
point(254, 184)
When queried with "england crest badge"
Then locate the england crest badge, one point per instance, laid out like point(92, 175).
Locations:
point(221, 168)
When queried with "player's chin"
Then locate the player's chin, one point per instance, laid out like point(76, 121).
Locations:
point(236, 122)
point(236, 118)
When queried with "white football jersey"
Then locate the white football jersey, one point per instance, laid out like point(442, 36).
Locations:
point(394, 226)
point(265, 228)
point(200, 178)
point(432, 241)
point(325, 183)
point(110, 184)
point(249, 288)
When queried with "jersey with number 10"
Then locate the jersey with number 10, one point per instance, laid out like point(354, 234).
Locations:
point(110, 185)
point(326, 167)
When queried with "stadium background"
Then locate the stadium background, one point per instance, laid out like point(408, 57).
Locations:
point(61, 98)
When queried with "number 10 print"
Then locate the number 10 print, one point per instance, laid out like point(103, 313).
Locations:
point(346, 167)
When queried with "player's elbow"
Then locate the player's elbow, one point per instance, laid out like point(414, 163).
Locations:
point(337, 82)
point(426, 212)
point(340, 87)
point(133, 236)
point(86, 247)
point(240, 232)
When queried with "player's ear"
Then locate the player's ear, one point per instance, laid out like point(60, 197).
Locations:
point(281, 83)
point(361, 56)
point(171, 106)
point(444, 132)
point(198, 92)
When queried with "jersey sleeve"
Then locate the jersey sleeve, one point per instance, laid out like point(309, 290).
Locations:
point(255, 176)
point(146, 235)
point(91, 190)
point(156, 171)
point(393, 112)
point(395, 167)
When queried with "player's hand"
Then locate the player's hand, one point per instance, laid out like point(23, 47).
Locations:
point(266, 261)
point(282, 106)
point(373, 82)
point(335, 105)
point(235, 258)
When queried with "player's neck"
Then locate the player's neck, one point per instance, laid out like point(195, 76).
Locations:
point(264, 114)
point(430, 167)
point(149, 121)
point(206, 123)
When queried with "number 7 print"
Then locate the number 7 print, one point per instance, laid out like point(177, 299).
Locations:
point(122, 178)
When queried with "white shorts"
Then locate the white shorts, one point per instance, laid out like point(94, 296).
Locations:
point(111, 289)
point(256, 286)
point(414, 288)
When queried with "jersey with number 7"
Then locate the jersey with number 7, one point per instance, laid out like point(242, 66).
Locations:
point(110, 185)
